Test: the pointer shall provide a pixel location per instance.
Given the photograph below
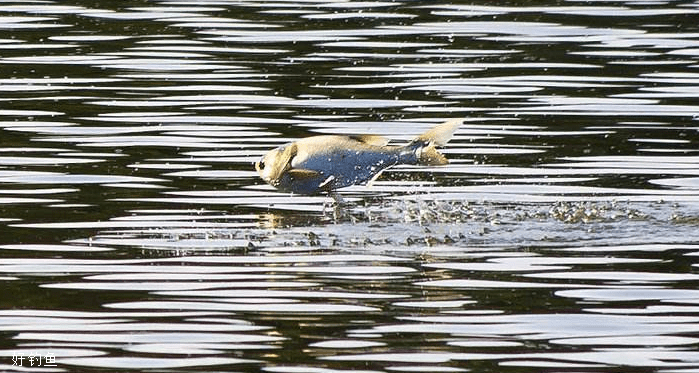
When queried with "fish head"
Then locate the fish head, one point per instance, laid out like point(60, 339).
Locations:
point(275, 163)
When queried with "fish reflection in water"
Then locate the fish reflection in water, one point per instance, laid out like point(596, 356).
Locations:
point(326, 163)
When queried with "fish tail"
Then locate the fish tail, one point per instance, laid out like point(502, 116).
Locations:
point(429, 156)
point(441, 134)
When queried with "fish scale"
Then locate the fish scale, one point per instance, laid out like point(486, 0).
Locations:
point(348, 167)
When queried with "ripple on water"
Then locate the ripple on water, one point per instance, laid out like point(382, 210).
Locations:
point(561, 236)
point(153, 362)
point(120, 330)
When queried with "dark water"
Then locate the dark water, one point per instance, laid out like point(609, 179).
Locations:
point(563, 236)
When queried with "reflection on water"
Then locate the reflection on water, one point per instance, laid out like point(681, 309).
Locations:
point(562, 235)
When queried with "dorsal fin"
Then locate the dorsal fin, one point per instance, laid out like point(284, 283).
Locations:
point(375, 140)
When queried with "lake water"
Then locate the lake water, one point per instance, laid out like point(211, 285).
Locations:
point(562, 237)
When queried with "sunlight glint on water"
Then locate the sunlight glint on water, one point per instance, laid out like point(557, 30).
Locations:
point(136, 234)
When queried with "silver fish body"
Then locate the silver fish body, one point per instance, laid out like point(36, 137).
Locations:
point(325, 163)
point(340, 163)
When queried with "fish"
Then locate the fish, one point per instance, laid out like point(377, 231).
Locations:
point(325, 163)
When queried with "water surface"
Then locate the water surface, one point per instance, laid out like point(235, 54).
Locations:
point(135, 234)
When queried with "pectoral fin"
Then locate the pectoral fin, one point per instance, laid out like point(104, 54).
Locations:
point(302, 174)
